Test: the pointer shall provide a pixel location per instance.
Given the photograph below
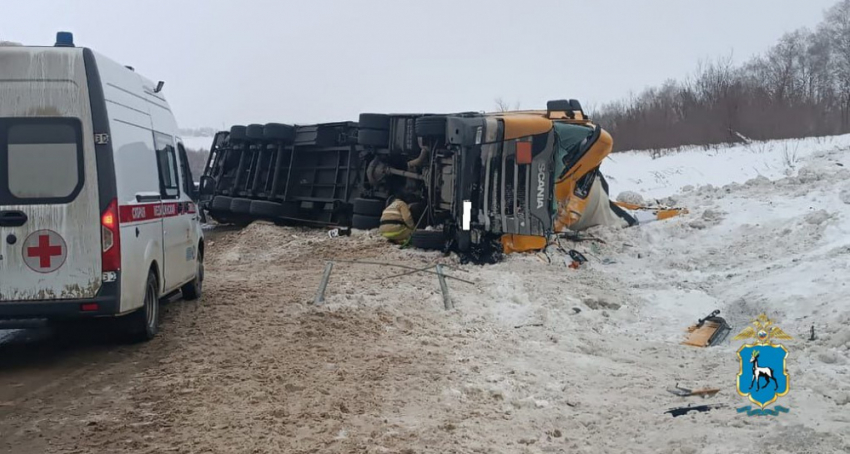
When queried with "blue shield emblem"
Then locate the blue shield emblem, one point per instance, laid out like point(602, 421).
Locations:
point(762, 376)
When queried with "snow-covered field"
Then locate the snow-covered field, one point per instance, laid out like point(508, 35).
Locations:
point(197, 142)
point(696, 166)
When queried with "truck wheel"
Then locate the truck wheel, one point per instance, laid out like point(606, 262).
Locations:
point(192, 290)
point(280, 132)
point(221, 203)
point(431, 126)
point(262, 208)
point(374, 121)
point(361, 222)
point(369, 207)
point(242, 206)
point(430, 240)
point(373, 137)
point(143, 324)
point(254, 132)
point(238, 133)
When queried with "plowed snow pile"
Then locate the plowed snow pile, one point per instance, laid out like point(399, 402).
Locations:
point(535, 357)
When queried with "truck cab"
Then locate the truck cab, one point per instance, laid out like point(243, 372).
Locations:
point(508, 174)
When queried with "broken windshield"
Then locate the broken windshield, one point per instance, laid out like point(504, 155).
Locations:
point(573, 141)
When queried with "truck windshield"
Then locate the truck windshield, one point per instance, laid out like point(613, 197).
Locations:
point(573, 141)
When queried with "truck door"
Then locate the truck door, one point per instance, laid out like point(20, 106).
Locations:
point(175, 237)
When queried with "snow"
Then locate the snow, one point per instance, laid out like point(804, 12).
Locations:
point(197, 143)
point(696, 166)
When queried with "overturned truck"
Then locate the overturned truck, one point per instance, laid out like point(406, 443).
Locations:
point(509, 177)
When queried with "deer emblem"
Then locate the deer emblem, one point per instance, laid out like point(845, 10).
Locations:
point(759, 372)
point(772, 357)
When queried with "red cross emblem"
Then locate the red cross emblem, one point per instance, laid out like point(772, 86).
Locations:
point(44, 251)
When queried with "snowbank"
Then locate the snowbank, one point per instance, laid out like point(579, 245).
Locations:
point(690, 167)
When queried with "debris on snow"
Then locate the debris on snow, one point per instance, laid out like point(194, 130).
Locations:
point(630, 197)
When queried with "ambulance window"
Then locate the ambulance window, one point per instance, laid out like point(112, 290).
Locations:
point(169, 183)
point(43, 160)
point(188, 181)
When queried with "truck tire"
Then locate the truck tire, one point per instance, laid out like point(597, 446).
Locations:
point(192, 290)
point(221, 203)
point(373, 137)
point(238, 133)
point(289, 209)
point(143, 324)
point(279, 132)
point(369, 207)
point(374, 121)
point(431, 126)
point(361, 222)
point(254, 132)
point(241, 206)
point(429, 240)
point(266, 209)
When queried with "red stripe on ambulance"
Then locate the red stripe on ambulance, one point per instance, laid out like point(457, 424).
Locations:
point(149, 211)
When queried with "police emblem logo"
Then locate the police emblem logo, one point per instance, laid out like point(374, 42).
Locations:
point(762, 375)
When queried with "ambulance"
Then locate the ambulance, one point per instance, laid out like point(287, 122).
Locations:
point(98, 214)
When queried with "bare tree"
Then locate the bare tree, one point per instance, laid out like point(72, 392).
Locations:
point(504, 106)
point(800, 87)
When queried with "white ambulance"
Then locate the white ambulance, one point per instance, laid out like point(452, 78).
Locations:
point(97, 210)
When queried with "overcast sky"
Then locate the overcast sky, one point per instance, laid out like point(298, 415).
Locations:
point(227, 62)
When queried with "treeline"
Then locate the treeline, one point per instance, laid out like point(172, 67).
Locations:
point(198, 132)
point(799, 88)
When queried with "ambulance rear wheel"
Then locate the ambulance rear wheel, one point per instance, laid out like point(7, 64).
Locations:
point(192, 290)
point(142, 325)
